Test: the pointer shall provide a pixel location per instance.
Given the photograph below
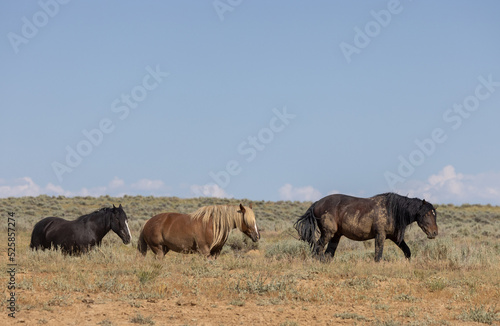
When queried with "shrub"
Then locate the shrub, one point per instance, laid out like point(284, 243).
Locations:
point(287, 249)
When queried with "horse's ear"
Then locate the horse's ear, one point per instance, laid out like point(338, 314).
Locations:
point(120, 206)
point(250, 206)
point(114, 206)
point(242, 209)
point(423, 201)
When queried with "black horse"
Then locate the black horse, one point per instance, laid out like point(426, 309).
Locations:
point(384, 216)
point(80, 235)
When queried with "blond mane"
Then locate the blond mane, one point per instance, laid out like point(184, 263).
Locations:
point(224, 219)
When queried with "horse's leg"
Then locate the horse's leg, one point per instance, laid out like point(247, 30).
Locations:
point(379, 246)
point(328, 228)
point(403, 246)
point(325, 238)
point(157, 250)
point(332, 245)
point(165, 250)
point(205, 251)
point(160, 254)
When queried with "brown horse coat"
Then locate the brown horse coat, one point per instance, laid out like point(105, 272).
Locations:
point(204, 231)
point(381, 217)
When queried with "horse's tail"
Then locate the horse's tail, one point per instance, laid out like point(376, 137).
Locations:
point(307, 226)
point(38, 239)
point(142, 246)
point(34, 243)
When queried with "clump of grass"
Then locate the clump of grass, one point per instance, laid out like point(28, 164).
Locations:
point(359, 283)
point(406, 298)
point(141, 320)
point(289, 323)
point(149, 274)
point(435, 284)
point(409, 312)
point(237, 302)
point(59, 300)
point(288, 249)
point(239, 243)
point(383, 307)
point(260, 284)
point(480, 315)
point(387, 323)
point(349, 315)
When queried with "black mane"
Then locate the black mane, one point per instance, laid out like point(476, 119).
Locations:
point(101, 211)
point(404, 211)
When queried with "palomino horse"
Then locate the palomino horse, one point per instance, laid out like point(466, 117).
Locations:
point(80, 235)
point(380, 217)
point(204, 231)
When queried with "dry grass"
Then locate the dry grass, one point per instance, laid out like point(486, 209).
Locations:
point(454, 278)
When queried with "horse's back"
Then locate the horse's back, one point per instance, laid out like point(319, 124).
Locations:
point(165, 222)
point(176, 231)
point(340, 203)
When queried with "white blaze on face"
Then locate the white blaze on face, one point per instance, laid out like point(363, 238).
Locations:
point(128, 230)
point(257, 230)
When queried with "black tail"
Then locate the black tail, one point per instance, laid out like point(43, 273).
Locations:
point(38, 239)
point(34, 244)
point(307, 226)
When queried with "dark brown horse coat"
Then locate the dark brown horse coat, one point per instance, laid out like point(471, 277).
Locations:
point(205, 231)
point(384, 216)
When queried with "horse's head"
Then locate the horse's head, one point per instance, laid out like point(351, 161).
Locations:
point(426, 219)
point(249, 224)
point(119, 224)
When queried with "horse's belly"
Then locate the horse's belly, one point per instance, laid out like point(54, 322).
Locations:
point(358, 230)
point(187, 242)
point(186, 246)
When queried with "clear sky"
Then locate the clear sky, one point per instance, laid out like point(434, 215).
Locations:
point(264, 100)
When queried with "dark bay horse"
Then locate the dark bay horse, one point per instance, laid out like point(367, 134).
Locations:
point(80, 235)
point(384, 216)
point(204, 231)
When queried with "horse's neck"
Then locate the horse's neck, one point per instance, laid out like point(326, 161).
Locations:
point(99, 224)
point(412, 218)
point(236, 223)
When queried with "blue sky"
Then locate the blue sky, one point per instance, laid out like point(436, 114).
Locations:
point(251, 99)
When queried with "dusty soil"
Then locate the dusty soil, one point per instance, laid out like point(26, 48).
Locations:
point(377, 307)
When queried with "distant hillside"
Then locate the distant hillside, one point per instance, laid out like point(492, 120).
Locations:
point(465, 220)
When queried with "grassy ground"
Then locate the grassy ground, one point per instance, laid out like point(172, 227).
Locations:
point(452, 279)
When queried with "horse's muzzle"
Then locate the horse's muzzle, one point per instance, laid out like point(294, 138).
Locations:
point(126, 239)
point(255, 236)
point(432, 234)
